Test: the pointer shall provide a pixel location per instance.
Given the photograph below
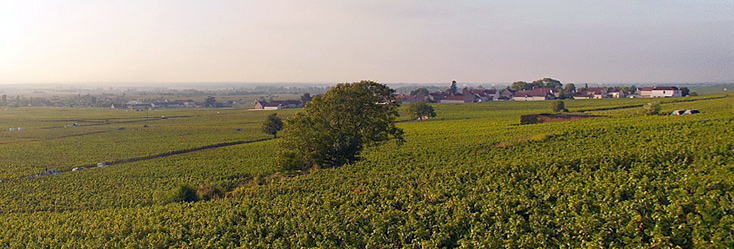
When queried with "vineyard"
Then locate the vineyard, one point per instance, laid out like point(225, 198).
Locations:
point(470, 177)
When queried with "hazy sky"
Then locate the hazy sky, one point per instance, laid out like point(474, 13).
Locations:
point(426, 41)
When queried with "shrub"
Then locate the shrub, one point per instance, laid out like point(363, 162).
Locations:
point(652, 108)
point(210, 191)
point(182, 193)
point(558, 106)
point(529, 119)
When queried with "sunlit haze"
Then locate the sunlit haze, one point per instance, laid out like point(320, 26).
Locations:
point(685, 41)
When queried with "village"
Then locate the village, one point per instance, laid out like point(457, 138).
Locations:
point(538, 91)
point(543, 89)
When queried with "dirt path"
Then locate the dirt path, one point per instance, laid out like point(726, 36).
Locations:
point(177, 152)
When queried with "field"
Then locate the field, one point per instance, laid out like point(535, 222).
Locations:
point(470, 177)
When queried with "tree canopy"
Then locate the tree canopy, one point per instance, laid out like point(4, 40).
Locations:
point(547, 83)
point(519, 85)
point(210, 102)
point(419, 91)
point(541, 83)
point(332, 129)
point(305, 98)
point(421, 110)
point(453, 89)
point(272, 125)
point(684, 91)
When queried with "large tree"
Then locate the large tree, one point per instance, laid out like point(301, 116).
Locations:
point(272, 125)
point(421, 110)
point(334, 128)
point(305, 98)
point(210, 102)
point(547, 83)
point(419, 91)
point(519, 85)
point(684, 91)
point(453, 89)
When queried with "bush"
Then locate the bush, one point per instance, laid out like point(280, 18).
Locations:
point(529, 119)
point(652, 108)
point(183, 193)
point(558, 106)
point(211, 191)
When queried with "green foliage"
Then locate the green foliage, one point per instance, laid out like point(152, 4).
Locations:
point(209, 192)
point(453, 89)
point(305, 98)
point(652, 108)
point(272, 125)
point(210, 101)
point(685, 91)
point(529, 119)
point(565, 94)
point(335, 127)
point(545, 83)
point(419, 91)
point(420, 110)
point(541, 83)
point(519, 86)
point(615, 182)
point(182, 193)
point(557, 106)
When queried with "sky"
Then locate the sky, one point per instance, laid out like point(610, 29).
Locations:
point(404, 41)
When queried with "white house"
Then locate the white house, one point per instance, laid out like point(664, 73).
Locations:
point(275, 105)
point(536, 94)
point(659, 92)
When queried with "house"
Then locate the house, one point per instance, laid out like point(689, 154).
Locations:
point(600, 93)
point(597, 92)
point(436, 96)
point(537, 94)
point(582, 95)
point(275, 105)
point(506, 94)
point(139, 107)
point(659, 92)
point(616, 93)
point(482, 95)
point(174, 104)
point(455, 99)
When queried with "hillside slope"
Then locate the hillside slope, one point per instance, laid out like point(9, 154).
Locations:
point(472, 177)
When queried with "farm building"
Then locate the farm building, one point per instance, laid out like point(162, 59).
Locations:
point(536, 94)
point(275, 105)
point(458, 99)
point(660, 92)
point(482, 95)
